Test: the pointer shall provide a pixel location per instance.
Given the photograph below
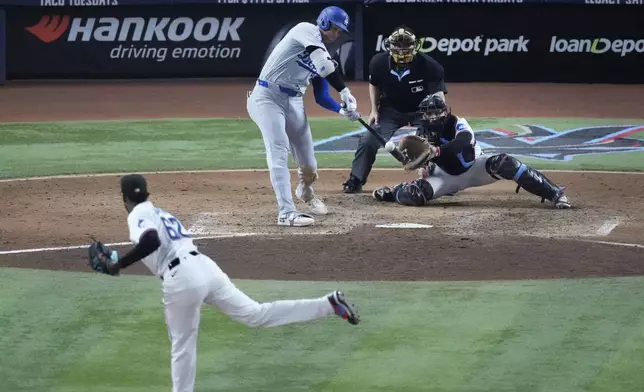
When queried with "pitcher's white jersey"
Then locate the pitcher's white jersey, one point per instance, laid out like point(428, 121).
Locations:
point(174, 238)
point(289, 64)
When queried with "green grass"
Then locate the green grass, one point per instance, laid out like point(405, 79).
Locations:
point(79, 332)
point(33, 149)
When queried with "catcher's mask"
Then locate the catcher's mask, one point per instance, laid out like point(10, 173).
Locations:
point(433, 110)
point(402, 46)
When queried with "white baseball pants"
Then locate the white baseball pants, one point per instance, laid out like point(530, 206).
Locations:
point(282, 121)
point(197, 280)
point(443, 183)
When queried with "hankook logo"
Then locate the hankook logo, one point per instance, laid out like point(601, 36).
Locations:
point(107, 29)
point(153, 30)
point(50, 28)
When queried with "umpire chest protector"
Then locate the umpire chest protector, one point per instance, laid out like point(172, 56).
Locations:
point(402, 88)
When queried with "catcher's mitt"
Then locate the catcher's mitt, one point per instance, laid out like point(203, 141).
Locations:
point(100, 256)
point(417, 150)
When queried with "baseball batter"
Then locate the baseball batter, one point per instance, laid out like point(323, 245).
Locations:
point(277, 107)
point(190, 278)
point(455, 162)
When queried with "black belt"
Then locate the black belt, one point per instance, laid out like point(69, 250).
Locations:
point(177, 261)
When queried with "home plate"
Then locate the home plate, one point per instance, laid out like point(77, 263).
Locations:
point(404, 226)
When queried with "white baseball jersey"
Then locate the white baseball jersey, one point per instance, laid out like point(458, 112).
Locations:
point(289, 64)
point(175, 239)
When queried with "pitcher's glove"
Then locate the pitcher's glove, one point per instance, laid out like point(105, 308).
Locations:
point(418, 151)
point(103, 259)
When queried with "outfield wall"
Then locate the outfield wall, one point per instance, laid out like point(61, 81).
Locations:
point(476, 41)
point(3, 62)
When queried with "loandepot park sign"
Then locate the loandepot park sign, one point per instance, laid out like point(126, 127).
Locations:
point(535, 141)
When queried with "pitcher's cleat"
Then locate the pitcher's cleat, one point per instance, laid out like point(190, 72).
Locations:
point(342, 308)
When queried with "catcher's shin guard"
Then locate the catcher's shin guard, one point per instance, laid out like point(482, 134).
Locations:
point(533, 181)
point(415, 193)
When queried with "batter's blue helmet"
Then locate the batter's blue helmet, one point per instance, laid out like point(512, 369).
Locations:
point(333, 16)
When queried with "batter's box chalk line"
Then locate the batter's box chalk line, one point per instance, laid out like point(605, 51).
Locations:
point(609, 225)
point(208, 224)
point(404, 226)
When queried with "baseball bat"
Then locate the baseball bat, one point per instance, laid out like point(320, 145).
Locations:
point(395, 153)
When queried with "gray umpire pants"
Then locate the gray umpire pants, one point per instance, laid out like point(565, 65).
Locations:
point(390, 121)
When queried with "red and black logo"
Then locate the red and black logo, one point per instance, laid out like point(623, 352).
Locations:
point(50, 28)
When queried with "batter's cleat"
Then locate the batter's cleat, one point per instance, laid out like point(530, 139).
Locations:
point(384, 194)
point(342, 308)
point(317, 207)
point(306, 195)
point(352, 185)
point(562, 202)
point(295, 219)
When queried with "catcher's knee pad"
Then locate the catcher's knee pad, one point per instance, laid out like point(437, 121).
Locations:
point(504, 166)
point(416, 193)
point(533, 181)
point(309, 175)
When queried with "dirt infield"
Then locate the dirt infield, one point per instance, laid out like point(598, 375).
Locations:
point(484, 233)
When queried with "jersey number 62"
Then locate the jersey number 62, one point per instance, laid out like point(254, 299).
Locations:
point(174, 228)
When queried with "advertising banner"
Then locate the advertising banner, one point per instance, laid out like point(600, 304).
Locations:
point(149, 42)
point(104, 3)
point(508, 2)
point(485, 43)
point(112, 3)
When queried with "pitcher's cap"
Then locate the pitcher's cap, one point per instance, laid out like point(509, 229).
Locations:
point(134, 187)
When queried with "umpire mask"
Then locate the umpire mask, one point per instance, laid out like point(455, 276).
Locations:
point(402, 46)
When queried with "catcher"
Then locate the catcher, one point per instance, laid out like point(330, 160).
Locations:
point(445, 155)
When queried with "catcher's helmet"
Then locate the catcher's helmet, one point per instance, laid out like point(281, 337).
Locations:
point(433, 109)
point(434, 114)
point(402, 45)
point(335, 16)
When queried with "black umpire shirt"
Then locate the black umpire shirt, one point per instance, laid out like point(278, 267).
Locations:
point(404, 90)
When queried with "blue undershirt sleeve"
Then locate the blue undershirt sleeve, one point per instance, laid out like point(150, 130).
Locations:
point(322, 97)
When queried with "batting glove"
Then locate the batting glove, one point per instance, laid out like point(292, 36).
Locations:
point(350, 103)
point(353, 116)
